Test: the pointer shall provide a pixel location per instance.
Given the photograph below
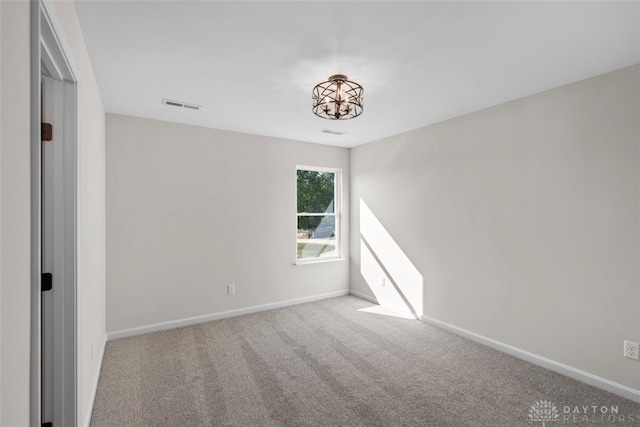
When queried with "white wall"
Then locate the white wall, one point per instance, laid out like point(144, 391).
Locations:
point(191, 209)
point(15, 220)
point(15, 202)
point(519, 223)
point(91, 209)
point(0, 211)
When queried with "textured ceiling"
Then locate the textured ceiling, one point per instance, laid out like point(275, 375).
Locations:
point(252, 65)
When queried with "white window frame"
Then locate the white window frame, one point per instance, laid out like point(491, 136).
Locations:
point(337, 213)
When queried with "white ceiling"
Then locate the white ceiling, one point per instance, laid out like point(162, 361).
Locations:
point(252, 65)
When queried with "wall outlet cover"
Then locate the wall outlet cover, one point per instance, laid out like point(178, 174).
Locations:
point(632, 350)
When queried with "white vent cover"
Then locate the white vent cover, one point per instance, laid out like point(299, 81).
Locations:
point(332, 132)
point(181, 104)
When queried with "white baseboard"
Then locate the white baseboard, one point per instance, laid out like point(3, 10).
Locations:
point(221, 315)
point(552, 365)
point(365, 297)
point(400, 309)
point(94, 387)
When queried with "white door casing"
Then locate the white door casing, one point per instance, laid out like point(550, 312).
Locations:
point(54, 244)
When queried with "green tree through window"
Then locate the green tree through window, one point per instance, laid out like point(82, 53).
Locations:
point(316, 209)
point(315, 195)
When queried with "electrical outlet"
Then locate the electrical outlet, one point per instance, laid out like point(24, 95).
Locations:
point(231, 289)
point(632, 350)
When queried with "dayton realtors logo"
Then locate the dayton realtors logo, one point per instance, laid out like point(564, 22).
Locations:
point(545, 412)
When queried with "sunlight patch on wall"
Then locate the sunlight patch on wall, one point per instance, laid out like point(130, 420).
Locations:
point(390, 274)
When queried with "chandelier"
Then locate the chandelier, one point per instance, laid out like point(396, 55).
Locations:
point(337, 98)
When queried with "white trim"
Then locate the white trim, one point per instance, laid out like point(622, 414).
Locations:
point(94, 387)
point(318, 168)
point(394, 307)
point(65, 62)
point(48, 56)
point(552, 365)
point(365, 297)
point(337, 212)
point(318, 260)
point(216, 316)
point(35, 359)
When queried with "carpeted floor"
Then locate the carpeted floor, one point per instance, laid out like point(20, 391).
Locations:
point(336, 362)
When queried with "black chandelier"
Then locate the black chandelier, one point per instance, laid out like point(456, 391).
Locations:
point(337, 98)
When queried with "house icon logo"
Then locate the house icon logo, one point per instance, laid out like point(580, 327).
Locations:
point(543, 411)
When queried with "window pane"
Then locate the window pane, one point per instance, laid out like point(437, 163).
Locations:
point(315, 191)
point(316, 236)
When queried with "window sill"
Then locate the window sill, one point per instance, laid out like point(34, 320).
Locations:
point(318, 261)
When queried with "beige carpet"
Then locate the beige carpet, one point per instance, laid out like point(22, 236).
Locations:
point(335, 362)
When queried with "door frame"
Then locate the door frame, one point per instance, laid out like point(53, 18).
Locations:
point(48, 58)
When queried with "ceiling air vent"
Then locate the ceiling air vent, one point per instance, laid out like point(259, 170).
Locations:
point(332, 132)
point(181, 104)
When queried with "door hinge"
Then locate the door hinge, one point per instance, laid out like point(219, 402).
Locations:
point(49, 424)
point(46, 131)
point(47, 281)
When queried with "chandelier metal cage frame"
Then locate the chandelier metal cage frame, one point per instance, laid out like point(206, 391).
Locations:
point(338, 98)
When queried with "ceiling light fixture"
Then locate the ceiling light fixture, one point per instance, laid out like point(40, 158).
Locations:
point(337, 98)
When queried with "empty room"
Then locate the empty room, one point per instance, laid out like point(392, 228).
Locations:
point(319, 213)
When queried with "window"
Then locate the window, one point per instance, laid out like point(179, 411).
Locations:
point(318, 231)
